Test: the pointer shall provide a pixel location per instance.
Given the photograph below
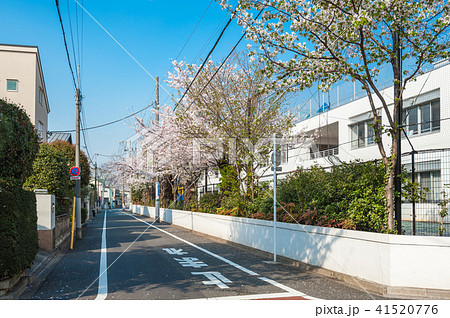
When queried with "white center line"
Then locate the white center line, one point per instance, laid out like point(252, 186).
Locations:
point(103, 271)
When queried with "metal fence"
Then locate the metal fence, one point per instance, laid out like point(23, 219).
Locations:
point(431, 170)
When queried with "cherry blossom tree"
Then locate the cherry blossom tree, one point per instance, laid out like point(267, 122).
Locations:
point(309, 42)
point(229, 114)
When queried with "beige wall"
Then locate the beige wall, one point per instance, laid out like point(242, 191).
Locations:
point(22, 63)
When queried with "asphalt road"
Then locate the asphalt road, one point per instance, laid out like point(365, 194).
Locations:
point(142, 260)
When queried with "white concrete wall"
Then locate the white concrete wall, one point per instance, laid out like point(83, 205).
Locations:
point(391, 260)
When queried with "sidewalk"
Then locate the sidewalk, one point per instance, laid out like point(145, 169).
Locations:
point(43, 264)
point(35, 275)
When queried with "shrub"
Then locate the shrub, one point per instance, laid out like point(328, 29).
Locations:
point(262, 204)
point(209, 202)
point(18, 144)
point(18, 231)
point(350, 196)
point(229, 184)
point(84, 214)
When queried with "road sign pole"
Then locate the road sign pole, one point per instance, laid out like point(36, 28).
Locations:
point(275, 198)
point(157, 202)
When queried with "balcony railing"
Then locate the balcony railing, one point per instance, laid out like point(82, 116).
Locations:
point(325, 153)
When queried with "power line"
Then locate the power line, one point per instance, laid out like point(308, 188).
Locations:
point(118, 43)
point(218, 69)
point(204, 62)
point(181, 50)
point(71, 34)
point(192, 33)
point(65, 44)
point(109, 123)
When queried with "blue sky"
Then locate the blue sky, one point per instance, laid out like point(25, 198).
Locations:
point(112, 84)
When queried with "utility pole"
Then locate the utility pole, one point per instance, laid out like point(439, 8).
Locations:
point(77, 164)
point(157, 178)
point(398, 80)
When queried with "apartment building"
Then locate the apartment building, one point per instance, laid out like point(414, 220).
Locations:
point(344, 133)
point(22, 82)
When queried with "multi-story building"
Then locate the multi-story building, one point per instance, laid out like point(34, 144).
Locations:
point(22, 82)
point(344, 133)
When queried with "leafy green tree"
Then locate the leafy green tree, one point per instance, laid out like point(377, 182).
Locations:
point(50, 172)
point(69, 152)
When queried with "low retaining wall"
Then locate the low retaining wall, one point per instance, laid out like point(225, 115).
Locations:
point(386, 259)
point(61, 230)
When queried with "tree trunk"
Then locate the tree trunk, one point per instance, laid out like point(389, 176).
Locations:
point(389, 193)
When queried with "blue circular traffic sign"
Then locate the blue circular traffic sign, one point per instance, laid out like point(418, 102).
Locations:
point(75, 171)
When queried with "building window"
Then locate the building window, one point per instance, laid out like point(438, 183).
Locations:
point(284, 154)
point(40, 131)
point(11, 85)
point(41, 97)
point(431, 181)
point(362, 134)
point(422, 119)
point(428, 176)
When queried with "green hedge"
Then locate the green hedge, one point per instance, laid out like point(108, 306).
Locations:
point(209, 202)
point(18, 144)
point(18, 231)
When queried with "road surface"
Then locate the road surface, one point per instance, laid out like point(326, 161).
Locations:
point(126, 256)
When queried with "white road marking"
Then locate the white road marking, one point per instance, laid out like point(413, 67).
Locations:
point(190, 262)
point(249, 297)
point(174, 251)
point(200, 248)
point(215, 278)
point(103, 271)
point(290, 291)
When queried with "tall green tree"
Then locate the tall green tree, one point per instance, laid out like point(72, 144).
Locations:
point(69, 152)
point(49, 171)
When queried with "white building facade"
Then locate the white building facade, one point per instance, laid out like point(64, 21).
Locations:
point(345, 133)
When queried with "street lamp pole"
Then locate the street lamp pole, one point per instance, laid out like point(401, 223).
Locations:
point(157, 200)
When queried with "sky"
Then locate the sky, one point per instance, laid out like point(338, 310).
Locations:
point(112, 83)
point(117, 76)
